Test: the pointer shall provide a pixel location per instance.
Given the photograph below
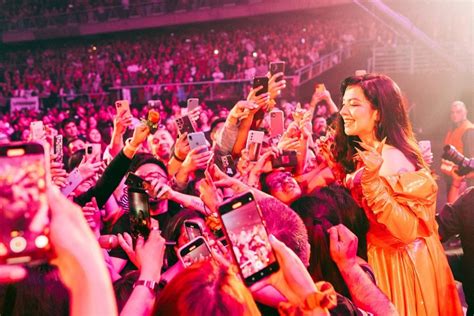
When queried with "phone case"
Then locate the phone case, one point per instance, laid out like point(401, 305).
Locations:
point(276, 67)
point(192, 104)
point(260, 81)
point(37, 130)
point(196, 140)
point(254, 144)
point(226, 164)
point(73, 180)
point(286, 159)
point(184, 125)
point(122, 106)
point(277, 123)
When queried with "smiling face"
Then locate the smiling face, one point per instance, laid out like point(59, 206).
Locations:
point(160, 144)
point(358, 113)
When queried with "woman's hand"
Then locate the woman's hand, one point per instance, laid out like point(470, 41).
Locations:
point(181, 147)
point(58, 174)
point(342, 245)
point(93, 216)
point(150, 254)
point(88, 169)
point(275, 87)
point(121, 122)
point(241, 111)
point(126, 242)
point(261, 100)
point(210, 195)
point(292, 280)
point(11, 273)
point(372, 156)
point(196, 159)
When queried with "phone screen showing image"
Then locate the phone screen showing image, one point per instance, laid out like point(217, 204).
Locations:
point(139, 209)
point(193, 230)
point(248, 237)
point(195, 251)
point(23, 202)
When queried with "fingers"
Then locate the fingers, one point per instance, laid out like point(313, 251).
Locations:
point(11, 273)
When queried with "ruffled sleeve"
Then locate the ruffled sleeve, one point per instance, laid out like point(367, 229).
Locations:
point(404, 203)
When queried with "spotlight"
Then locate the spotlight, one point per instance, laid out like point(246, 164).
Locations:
point(216, 52)
point(254, 54)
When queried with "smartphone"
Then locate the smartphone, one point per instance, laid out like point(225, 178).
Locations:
point(184, 125)
point(139, 212)
point(135, 181)
point(286, 159)
point(226, 164)
point(277, 123)
point(24, 169)
point(93, 152)
point(58, 148)
point(254, 144)
point(276, 67)
point(122, 106)
point(192, 104)
point(248, 237)
point(320, 87)
point(197, 139)
point(37, 130)
point(194, 251)
point(192, 229)
point(73, 180)
point(260, 81)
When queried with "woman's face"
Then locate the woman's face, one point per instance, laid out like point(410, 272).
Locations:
point(92, 122)
point(358, 113)
point(94, 136)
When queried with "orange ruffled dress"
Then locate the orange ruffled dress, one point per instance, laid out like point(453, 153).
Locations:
point(403, 243)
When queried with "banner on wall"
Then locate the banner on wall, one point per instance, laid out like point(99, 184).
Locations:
point(29, 103)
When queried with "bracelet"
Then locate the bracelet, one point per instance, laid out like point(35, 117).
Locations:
point(128, 142)
point(152, 285)
point(176, 157)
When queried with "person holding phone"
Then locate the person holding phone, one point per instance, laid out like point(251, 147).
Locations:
point(386, 172)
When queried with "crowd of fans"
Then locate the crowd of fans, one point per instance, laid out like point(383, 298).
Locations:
point(21, 15)
point(337, 215)
point(73, 67)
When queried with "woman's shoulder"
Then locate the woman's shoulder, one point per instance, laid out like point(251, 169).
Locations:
point(394, 162)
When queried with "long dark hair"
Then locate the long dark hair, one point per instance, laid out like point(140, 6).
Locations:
point(327, 207)
point(394, 124)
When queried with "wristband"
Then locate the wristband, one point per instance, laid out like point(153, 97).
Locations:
point(176, 157)
point(128, 143)
point(152, 285)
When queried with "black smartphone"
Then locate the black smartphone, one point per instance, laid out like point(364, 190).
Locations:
point(246, 232)
point(260, 81)
point(139, 211)
point(135, 181)
point(192, 229)
point(276, 67)
point(184, 125)
point(286, 159)
point(226, 164)
point(194, 251)
point(24, 174)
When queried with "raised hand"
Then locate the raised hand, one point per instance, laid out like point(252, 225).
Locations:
point(371, 156)
point(197, 159)
point(275, 87)
point(121, 122)
point(342, 245)
point(181, 147)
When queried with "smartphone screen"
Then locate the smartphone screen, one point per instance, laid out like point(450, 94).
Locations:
point(23, 203)
point(193, 229)
point(260, 81)
point(194, 251)
point(246, 232)
point(58, 148)
point(139, 211)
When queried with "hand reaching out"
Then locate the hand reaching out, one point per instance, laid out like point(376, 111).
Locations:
point(342, 245)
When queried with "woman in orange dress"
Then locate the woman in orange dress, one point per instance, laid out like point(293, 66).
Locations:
point(376, 150)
